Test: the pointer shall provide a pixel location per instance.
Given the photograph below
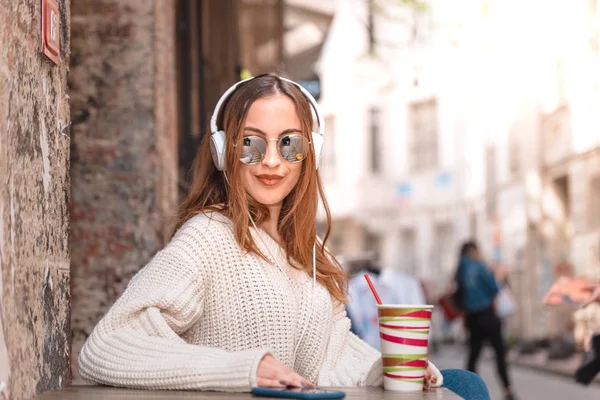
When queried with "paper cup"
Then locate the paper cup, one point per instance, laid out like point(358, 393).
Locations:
point(404, 333)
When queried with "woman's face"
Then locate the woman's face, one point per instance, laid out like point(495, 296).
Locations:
point(273, 178)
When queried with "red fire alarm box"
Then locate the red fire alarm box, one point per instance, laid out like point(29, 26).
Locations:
point(50, 30)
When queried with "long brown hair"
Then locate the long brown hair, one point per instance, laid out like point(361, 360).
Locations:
point(297, 229)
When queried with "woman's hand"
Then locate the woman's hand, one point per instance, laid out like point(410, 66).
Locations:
point(274, 374)
point(430, 378)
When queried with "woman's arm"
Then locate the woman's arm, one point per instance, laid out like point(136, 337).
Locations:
point(351, 362)
point(138, 344)
point(348, 360)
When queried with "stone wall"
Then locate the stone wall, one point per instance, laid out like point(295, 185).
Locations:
point(124, 148)
point(34, 196)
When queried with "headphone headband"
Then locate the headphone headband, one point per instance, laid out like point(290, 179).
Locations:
point(227, 94)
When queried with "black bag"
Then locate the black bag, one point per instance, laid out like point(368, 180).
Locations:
point(458, 296)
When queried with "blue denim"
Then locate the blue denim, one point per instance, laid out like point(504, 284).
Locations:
point(466, 384)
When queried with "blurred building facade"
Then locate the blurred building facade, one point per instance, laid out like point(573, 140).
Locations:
point(541, 160)
point(404, 170)
point(444, 125)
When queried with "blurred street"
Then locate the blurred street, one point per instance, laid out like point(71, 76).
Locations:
point(528, 383)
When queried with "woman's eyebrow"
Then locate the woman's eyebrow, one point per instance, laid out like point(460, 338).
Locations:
point(285, 132)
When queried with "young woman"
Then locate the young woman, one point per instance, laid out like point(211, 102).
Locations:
point(244, 294)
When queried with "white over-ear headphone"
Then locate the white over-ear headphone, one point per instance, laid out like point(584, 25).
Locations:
point(217, 137)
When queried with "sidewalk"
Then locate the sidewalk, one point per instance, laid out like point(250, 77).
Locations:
point(529, 382)
point(539, 361)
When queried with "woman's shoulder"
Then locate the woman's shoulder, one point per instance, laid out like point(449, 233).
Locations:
point(207, 227)
point(209, 219)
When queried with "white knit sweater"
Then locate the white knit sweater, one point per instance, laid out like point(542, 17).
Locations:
point(203, 313)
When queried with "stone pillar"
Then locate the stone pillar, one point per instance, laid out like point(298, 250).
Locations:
point(34, 195)
point(124, 148)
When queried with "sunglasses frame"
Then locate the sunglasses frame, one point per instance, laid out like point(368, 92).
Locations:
point(278, 150)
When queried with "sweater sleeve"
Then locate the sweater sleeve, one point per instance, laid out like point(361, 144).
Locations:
point(348, 360)
point(138, 343)
point(351, 362)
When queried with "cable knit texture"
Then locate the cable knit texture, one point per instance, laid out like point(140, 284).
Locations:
point(203, 313)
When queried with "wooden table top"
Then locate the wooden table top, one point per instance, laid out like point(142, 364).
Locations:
point(110, 393)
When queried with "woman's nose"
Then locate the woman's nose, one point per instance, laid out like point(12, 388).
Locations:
point(272, 158)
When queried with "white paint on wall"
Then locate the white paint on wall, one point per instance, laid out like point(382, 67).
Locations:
point(4, 362)
point(45, 156)
point(12, 235)
point(1, 244)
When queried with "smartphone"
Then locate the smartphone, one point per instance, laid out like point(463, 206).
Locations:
point(299, 393)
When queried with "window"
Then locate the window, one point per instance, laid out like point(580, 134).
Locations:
point(594, 204)
point(422, 22)
point(443, 252)
point(561, 80)
point(594, 38)
point(371, 26)
point(335, 241)
point(328, 159)
point(409, 252)
point(473, 223)
point(490, 181)
point(514, 154)
point(373, 244)
point(375, 139)
point(424, 135)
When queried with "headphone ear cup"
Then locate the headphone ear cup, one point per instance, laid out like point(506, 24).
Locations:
point(317, 140)
point(217, 149)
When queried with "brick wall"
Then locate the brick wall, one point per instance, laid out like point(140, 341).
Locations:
point(124, 148)
point(34, 194)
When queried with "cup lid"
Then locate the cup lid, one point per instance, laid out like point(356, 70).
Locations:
point(405, 306)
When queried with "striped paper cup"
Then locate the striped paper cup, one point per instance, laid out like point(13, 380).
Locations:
point(404, 333)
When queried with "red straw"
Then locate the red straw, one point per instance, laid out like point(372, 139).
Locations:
point(373, 289)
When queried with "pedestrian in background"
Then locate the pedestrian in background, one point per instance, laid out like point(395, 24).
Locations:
point(479, 291)
point(587, 334)
point(395, 287)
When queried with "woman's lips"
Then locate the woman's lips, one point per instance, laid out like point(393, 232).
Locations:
point(269, 180)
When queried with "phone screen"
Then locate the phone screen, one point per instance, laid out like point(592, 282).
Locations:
point(299, 393)
point(306, 390)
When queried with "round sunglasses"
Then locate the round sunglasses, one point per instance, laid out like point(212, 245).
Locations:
point(292, 148)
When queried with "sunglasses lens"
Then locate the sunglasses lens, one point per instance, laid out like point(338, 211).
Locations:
point(253, 149)
point(293, 148)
